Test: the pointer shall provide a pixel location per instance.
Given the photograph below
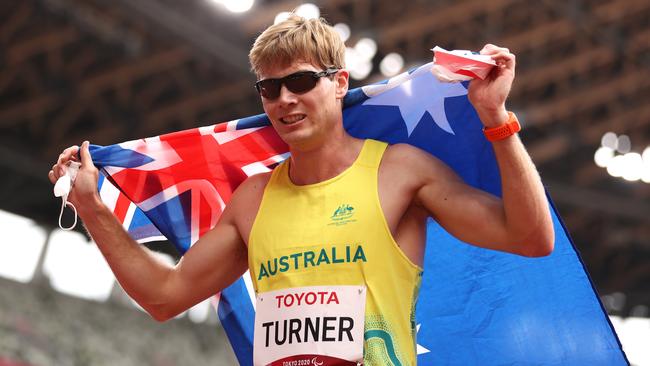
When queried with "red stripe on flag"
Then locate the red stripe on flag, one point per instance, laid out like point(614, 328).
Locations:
point(205, 216)
point(121, 207)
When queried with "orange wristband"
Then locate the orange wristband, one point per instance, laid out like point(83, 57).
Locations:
point(508, 129)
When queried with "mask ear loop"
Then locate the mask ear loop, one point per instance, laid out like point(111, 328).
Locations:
point(62, 189)
point(64, 203)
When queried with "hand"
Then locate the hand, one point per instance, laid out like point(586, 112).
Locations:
point(489, 96)
point(85, 185)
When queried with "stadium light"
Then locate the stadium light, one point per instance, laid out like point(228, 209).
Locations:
point(282, 16)
point(366, 48)
point(21, 246)
point(391, 64)
point(343, 30)
point(359, 66)
point(76, 267)
point(628, 165)
point(308, 10)
point(236, 6)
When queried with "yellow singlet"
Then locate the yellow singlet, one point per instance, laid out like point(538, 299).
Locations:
point(334, 233)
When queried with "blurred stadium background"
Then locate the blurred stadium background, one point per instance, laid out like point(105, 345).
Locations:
point(111, 71)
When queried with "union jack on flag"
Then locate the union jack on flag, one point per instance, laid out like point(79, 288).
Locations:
point(183, 180)
point(476, 306)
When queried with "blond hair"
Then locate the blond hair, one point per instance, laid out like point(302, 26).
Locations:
point(298, 39)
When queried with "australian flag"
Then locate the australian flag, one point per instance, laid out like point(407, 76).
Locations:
point(476, 306)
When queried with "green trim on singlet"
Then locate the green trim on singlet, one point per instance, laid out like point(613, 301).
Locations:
point(388, 342)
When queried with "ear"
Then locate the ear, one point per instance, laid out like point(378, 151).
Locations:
point(342, 82)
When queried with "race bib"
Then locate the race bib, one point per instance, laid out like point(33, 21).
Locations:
point(310, 326)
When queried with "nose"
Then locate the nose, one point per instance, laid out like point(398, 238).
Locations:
point(286, 96)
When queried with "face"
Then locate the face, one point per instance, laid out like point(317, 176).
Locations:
point(305, 120)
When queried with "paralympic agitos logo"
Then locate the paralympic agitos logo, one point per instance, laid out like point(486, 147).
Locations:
point(312, 360)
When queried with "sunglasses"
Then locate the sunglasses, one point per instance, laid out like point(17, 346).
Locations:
point(299, 83)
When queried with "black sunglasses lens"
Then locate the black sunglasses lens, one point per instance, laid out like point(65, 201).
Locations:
point(269, 88)
point(300, 83)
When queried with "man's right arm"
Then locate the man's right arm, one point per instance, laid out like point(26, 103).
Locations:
point(211, 264)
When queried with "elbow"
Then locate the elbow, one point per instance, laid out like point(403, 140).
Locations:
point(538, 250)
point(540, 244)
point(160, 311)
point(161, 314)
point(159, 318)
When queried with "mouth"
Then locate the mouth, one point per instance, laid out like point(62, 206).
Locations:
point(293, 118)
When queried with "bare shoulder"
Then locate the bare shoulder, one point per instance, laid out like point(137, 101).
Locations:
point(411, 161)
point(400, 177)
point(401, 151)
point(415, 171)
point(255, 183)
point(250, 191)
point(245, 202)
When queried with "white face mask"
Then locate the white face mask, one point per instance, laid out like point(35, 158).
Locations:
point(460, 65)
point(62, 189)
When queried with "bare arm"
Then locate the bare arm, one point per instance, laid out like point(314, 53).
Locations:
point(211, 264)
point(520, 222)
point(526, 211)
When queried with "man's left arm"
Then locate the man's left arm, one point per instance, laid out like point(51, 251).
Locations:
point(520, 221)
point(527, 214)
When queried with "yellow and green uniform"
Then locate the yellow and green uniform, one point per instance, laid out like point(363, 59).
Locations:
point(334, 233)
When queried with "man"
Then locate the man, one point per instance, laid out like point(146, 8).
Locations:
point(340, 213)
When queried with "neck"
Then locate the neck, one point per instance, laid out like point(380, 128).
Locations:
point(326, 161)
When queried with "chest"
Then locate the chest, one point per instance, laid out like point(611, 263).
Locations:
point(306, 217)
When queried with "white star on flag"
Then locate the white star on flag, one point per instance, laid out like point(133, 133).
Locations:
point(420, 350)
point(420, 93)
